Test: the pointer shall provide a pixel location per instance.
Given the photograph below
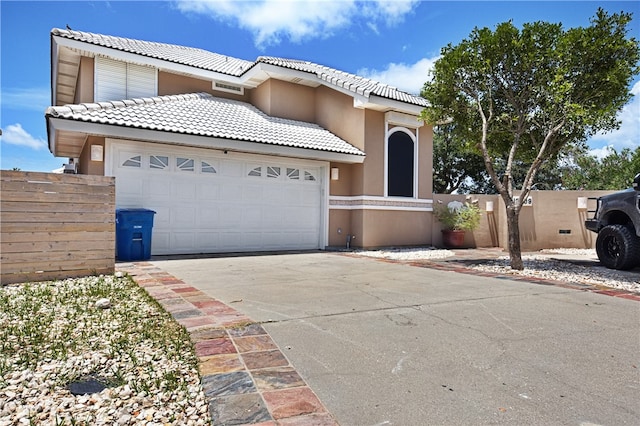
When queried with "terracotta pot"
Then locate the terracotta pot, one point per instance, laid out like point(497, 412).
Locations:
point(452, 238)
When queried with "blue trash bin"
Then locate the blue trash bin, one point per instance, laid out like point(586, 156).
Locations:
point(133, 234)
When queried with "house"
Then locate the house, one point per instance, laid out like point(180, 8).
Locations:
point(236, 155)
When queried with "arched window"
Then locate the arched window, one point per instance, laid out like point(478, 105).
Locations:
point(400, 164)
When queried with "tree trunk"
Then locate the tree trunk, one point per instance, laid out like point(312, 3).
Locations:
point(513, 231)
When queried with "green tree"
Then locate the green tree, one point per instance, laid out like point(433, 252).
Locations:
point(530, 93)
point(613, 172)
point(455, 167)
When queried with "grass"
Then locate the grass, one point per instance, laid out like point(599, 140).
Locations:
point(52, 334)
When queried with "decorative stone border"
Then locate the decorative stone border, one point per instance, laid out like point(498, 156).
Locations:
point(246, 378)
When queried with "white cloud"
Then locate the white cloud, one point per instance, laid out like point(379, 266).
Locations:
point(14, 134)
point(270, 21)
point(407, 77)
point(390, 11)
point(33, 99)
point(628, 136)
point(600, 153)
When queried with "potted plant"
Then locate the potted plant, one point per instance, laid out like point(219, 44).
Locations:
point(457, 218)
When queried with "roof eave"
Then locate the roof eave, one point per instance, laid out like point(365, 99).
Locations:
point(123, 132)
point(385, 104)
point(161, 64)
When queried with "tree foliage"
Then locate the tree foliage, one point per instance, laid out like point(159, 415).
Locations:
point(612, 172)
point(455, 167)
point(524, 96)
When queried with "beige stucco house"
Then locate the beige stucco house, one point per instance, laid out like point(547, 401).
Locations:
point(237, 155)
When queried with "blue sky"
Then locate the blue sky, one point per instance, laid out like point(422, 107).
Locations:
point(391, 41)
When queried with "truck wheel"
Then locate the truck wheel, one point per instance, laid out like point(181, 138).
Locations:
point(618, 247)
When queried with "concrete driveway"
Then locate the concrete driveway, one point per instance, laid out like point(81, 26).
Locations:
point(390, 344)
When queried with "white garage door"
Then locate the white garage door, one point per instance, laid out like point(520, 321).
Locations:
point(207, 201)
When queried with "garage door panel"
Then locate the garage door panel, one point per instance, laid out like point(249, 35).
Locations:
point(308, 240)
point(183, 217)
point(309, 197)
point(182, 242)
point(231, 192)
point(208, 239)
point(252, 193)
point(230, 241)
point(212, 203)
point(231, 168)
point(274, 194)
point(252, 218)
point(252, 240)
point(208, 217)
point(185, 190)
point(160, 242)
point(230, 216)
point(299, 216)
point(272, 218)
point(162, 218)
point(208, 190)
point(158, 188)
point(130, 187)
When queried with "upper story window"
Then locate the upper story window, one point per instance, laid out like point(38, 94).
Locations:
point(117, 80)
point(401, 154)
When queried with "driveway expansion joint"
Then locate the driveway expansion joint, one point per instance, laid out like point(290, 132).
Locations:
point(245, 377)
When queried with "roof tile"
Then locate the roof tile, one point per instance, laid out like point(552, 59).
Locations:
point(198, 58)
point(206, 115)
point(203, 59)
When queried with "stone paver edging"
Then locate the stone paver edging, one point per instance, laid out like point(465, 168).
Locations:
point(246, 378)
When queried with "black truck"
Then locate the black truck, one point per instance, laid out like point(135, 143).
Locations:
point(617, 223)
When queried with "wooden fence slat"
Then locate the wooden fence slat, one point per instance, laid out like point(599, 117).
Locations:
point(57, 261)
point(56, 188)
point(51, 246)
point(55, 226)
point(59, 237)
point(19, 176)
point(45, 197)
point(56, 217)
point(17, 206)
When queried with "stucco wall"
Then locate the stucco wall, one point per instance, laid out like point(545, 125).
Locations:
point(487, 234)
point(552, 221)
point(339, 227)
point(172, 84)
point(425, 162)
point(85, 165)
point(286, 100)
point(395, 228)
point(342, 186)
point(373, 170)
point(175, 84)
point(84, 86)
point(335, 112)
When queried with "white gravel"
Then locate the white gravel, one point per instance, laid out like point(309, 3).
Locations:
point(552, 264)
point(53, 334)
point(407, 253)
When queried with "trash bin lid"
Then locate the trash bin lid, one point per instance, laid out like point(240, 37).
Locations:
point(135, 210)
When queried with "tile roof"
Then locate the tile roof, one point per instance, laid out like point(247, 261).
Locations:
point(356, 84)
point(206, 60)
point(190, 56)
point(202, 114)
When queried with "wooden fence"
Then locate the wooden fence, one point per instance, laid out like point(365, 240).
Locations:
point(55, 226)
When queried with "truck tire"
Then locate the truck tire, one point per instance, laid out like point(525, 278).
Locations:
point(618, 247)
